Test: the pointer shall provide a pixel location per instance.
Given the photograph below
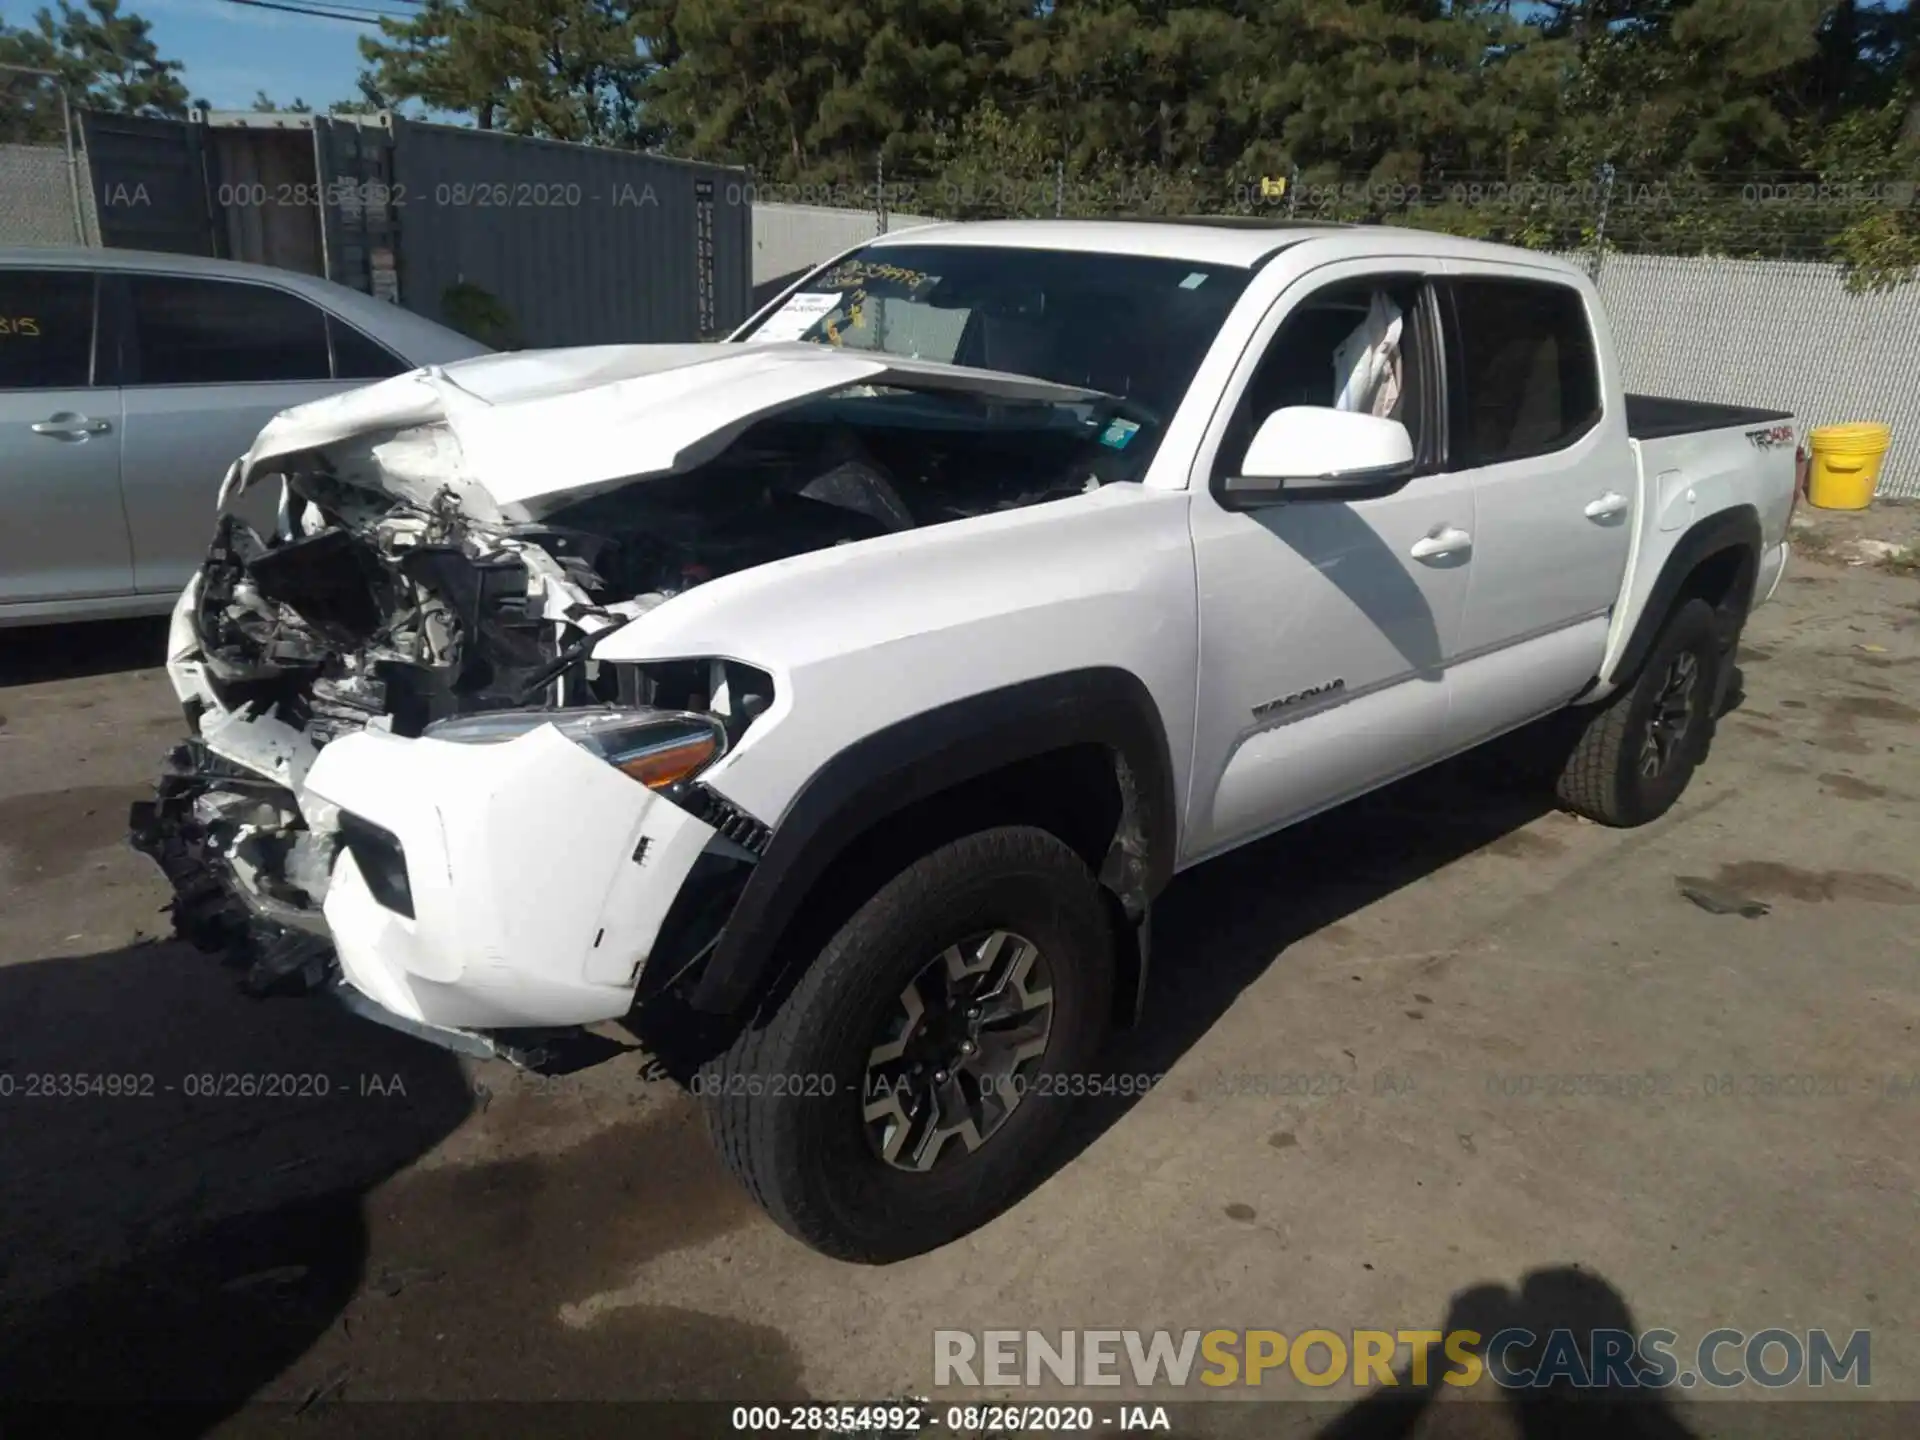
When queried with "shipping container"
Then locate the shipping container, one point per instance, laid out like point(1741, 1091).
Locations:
point(149, 183)
point(521, 242)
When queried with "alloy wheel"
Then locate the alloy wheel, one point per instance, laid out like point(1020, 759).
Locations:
point(1672, 715)
point(960, 1052)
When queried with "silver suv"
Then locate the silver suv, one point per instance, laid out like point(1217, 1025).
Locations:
point(130, 381)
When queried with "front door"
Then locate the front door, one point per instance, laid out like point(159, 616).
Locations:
point(1326, 626)
point(64, 535)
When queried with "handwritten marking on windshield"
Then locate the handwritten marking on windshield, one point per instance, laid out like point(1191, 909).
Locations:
point(861, 273)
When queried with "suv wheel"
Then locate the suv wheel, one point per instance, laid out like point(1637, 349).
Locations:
point(1639, 749)
point(910, 1084)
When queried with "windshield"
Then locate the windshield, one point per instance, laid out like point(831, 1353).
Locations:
point(1132, 326)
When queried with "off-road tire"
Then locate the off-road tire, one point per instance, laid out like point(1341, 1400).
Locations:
point(784, 1101)
point(1602, 778)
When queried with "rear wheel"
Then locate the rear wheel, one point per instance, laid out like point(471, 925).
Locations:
point(1639, 749)
point(910, 1084)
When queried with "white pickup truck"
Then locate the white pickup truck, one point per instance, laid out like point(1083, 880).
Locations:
point(860, 682)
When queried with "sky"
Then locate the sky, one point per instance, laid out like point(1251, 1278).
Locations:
point(230, 51)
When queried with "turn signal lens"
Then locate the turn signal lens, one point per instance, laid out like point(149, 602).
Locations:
point(655, 747)
point(660, 765)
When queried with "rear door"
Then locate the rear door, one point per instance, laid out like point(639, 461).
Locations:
point(211, 360)
point(1531, 423)
point(63, 533)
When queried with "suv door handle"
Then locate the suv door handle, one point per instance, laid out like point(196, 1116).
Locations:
point(65, 425)
point(1447, 540)
point(1606, 507)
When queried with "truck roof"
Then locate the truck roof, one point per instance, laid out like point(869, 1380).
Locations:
point(1225, 240)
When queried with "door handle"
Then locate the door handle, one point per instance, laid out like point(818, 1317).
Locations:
point(1606, 507)
point(68, 426)
point(1447, 540)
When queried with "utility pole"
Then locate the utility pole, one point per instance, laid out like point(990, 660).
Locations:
point(1600, 222)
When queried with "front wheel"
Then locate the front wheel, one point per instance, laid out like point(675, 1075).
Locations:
point(911, 1083)
point(1640, 747)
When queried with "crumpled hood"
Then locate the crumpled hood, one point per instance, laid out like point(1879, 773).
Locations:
point(515, 436)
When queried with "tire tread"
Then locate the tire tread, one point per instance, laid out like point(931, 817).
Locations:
point(1595, 778)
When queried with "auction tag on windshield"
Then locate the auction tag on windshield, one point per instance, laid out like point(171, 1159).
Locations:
point(799, 315)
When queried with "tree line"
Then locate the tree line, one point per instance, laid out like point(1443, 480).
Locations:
point(1583, 120)
point(1759, 127)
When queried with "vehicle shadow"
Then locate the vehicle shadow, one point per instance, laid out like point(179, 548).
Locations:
point(36, 653)
point(185, 1177)
point(1218, 927)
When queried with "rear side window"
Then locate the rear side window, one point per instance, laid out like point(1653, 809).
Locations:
point(1526, 380)
point(224, 332)
point(359, 357)
point(46, 329)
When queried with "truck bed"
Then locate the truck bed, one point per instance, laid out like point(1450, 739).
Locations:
point(1655, 417)
point(1695, 465)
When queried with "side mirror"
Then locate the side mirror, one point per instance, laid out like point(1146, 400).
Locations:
point(1308, 452)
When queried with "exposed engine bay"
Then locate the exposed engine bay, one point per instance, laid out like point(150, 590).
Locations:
point(369, 609)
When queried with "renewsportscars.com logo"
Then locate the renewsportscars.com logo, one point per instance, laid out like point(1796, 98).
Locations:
point(1514, 1358)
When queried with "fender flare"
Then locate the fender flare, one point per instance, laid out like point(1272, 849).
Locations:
point(1735, 528)
point(882, 773)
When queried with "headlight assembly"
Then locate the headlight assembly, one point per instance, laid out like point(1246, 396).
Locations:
point(655, 747)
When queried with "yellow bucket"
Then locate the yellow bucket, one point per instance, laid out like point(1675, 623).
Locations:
point(1846, 464)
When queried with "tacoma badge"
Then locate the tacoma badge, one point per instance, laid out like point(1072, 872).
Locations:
point(1326, 687)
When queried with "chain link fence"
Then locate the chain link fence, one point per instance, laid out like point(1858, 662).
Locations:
point(1772, 332)
point(46, 194)
point(42, 196)
point(1757, 217)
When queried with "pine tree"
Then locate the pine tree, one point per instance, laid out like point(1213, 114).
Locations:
point(104, 58)
point(561, 69)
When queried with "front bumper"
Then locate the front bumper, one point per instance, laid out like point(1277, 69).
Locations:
point(537, 876)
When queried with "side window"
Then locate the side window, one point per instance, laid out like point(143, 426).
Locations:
point(1526, 380)
point(357, 356)
point(224, 332)
point(46, 329)
point(1357, 345)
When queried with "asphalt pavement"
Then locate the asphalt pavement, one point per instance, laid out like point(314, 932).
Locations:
point(1408, 1054)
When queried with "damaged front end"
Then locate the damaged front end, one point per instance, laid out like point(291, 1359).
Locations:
point(371, 616)
point(409, 777)
point(247, 874)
